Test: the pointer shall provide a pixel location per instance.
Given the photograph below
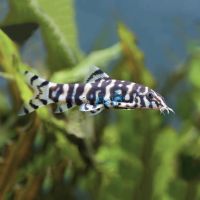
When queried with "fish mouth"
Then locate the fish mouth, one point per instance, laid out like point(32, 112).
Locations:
point(167, 109)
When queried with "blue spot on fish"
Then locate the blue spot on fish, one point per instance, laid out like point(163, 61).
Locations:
point(99, 100)
point(117, 96)
point(107, 103)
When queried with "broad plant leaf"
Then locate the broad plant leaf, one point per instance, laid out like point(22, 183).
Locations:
point(100, 58)
point(57, 22)
point(11, 64)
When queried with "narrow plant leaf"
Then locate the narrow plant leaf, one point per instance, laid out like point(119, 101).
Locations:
point(134, 57)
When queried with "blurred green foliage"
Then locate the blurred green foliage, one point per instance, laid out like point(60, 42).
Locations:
point(116, 155)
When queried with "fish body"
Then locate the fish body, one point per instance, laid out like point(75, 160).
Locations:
point(99, 92)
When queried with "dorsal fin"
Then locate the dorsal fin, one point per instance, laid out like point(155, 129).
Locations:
point(95, 75)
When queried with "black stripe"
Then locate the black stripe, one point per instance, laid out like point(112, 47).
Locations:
point(50, 93)
point(60, 91)
point(157, 104)
point(26, 110)
point(91, 95)
point(135, 87)
point(33, 105)
point(33, 78)
point(131, 96)
point(142, 104)
point(43, 101)
point(79, 91)
point(69, 95)
point(69, 104)
point(58, 87)
point(94, 74)
point(44, 83)
point(124, 89)
point(114, 89)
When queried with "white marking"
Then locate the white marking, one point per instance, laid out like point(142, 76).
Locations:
point(62, 97)
point(154, 105)
point(87, 88)
point(100, 82)
point(120, 85)
point(97, 94)
point(138, 89)
point(145, 91)
point(88, 107)
point(139, 102)
point(52, 84)
point(36, 82)
point(130, 88)
point(45, 92)
point(118, 92)
point(108, 87)
point(55, 92)
point(74, 92)
point(162, 102)
point(146, 102)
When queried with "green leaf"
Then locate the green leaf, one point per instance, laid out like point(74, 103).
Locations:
point(134, 57)
point(57, 23)
point(194, 70)
point(166, 148)
point(100, 58)
point(11, 64)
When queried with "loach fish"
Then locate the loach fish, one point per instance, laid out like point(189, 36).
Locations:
point(99, 92)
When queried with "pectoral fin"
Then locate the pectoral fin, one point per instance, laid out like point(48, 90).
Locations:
point(93, 109)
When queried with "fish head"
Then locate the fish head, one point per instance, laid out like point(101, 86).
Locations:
point(153, 100)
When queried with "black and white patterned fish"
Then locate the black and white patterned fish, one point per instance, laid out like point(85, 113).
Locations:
point(99, 92)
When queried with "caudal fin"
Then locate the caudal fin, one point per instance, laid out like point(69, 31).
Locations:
point(41, 92)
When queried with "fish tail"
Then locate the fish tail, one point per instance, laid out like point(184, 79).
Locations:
point(41, 93)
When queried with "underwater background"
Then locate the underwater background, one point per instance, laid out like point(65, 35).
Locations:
point(136, 154)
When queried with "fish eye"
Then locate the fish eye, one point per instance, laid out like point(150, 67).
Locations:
point(150, 95)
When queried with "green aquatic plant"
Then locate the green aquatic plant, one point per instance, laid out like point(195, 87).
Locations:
point(115, 155)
